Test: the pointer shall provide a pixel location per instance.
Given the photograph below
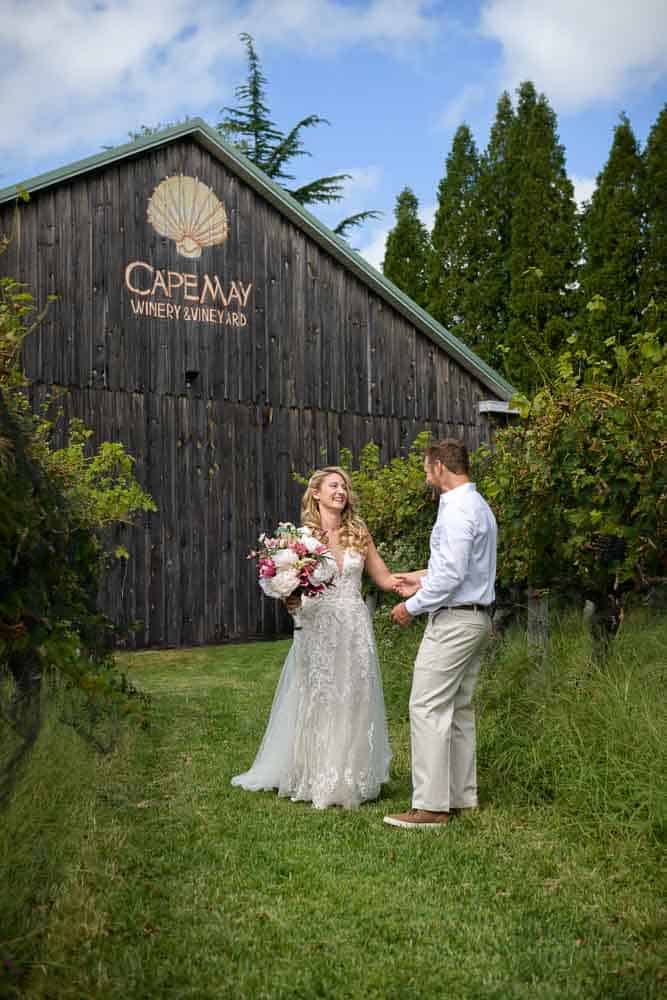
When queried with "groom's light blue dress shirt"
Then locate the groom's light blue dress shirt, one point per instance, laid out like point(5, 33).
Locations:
point(462, 564)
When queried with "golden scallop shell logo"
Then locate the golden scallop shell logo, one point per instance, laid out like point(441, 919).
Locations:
point(189, 213)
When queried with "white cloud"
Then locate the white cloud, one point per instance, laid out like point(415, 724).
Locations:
point(457, 109)
point(75, 74)
point(583, 188)
point(359, 194)
point(579, 54)
point(328, 23)
point(85, 74)
point(362, 180)
point(374, 250)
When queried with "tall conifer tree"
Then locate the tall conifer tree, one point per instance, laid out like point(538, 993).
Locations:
point(486, 298)
point(544, 246)
point(407, 249)
point(454, 261)
point(250, 127)
point(653, 280)
point(612, 232)
point(519, 306)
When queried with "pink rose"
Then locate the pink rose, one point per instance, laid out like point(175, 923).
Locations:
point(267, 567)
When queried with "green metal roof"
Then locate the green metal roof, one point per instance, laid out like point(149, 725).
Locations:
point(211, 140)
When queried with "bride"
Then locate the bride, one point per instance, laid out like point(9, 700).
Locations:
point(326, 741)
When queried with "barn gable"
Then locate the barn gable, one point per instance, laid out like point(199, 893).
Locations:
point(226, 355)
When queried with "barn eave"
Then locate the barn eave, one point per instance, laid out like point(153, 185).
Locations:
point(211, 140)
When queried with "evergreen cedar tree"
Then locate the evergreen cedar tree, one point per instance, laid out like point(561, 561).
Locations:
point(454, 264)
point(250, 128)
point(653, 278)
point(407, 250)
point(544, 244)
point(612, 233)
point(487, 298)
point(514, 269)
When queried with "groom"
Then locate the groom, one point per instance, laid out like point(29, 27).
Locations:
point(457, 591)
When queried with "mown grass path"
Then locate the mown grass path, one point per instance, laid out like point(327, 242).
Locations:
point(176, 885)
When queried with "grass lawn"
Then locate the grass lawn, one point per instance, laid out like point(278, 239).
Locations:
point(144, 874)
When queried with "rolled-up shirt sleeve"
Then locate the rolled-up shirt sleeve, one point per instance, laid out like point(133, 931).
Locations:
point(449, 561)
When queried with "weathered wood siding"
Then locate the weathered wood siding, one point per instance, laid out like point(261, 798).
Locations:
point(323, 363)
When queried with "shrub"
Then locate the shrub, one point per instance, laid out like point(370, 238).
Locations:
point(55, 505)
point(579, 486)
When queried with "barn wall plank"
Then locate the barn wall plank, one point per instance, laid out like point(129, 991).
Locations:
point(218, 417)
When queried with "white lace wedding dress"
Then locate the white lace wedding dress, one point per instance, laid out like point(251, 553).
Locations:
point(326, 741)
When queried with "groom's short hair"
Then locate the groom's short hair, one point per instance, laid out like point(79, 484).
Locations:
point(452, 452)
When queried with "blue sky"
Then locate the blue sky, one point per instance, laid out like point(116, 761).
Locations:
point(394, 77)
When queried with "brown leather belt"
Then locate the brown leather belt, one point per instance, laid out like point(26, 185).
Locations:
point(486, 608)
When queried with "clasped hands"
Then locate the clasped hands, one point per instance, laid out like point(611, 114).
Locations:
point(406, 584)
point(403, 584)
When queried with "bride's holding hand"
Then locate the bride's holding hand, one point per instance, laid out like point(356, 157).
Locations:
point(326, 741)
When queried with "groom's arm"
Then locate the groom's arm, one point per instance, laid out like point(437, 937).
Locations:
point(448, 564)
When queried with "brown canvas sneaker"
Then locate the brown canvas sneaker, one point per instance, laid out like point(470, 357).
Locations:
point(418, 819)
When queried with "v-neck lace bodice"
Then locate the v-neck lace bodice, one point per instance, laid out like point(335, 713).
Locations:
point(346, 587)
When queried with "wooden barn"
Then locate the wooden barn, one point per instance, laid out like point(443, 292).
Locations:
point(228, 339)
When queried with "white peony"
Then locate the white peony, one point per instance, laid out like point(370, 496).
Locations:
point(324, 570)
point(283, 558)
point(311, 543)
point(281, 585)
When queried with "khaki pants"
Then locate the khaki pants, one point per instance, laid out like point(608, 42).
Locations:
point(442, 719)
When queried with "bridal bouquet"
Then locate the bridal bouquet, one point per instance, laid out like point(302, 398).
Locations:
point(293, 561)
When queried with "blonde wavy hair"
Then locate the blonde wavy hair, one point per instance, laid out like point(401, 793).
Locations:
point(354, 533)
